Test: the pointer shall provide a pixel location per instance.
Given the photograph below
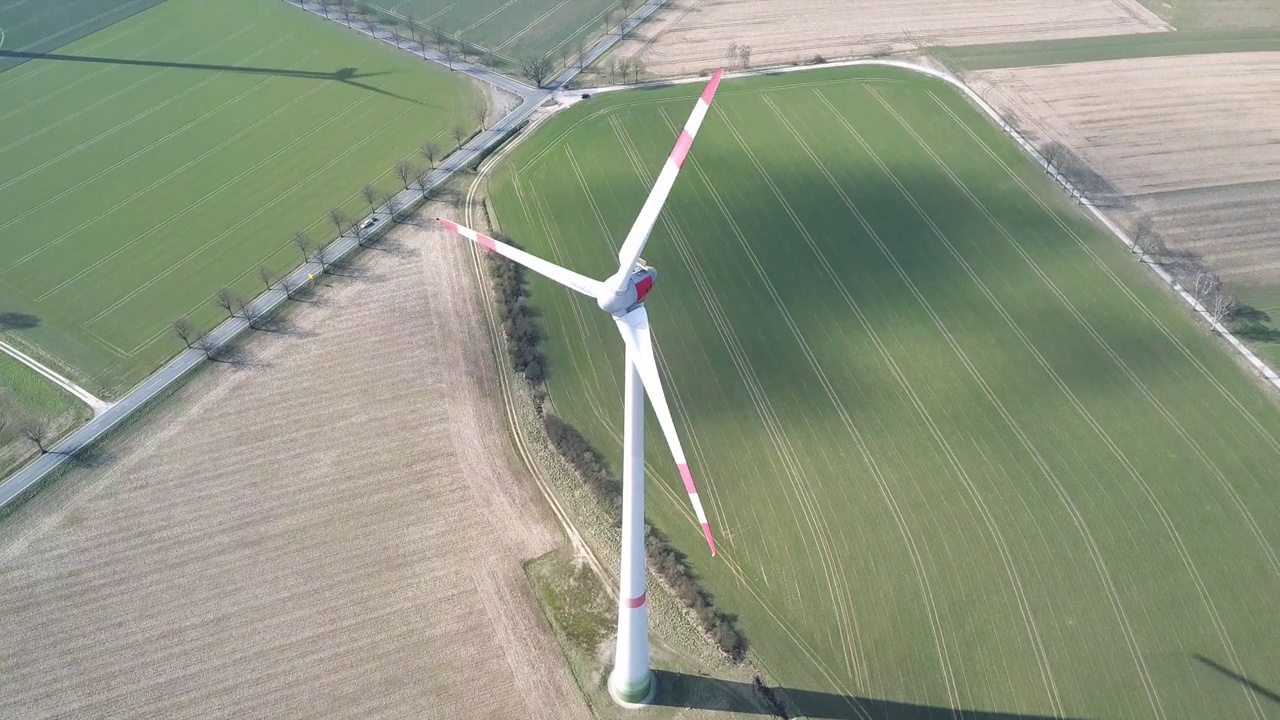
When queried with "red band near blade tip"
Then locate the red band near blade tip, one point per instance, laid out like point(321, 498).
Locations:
point(681, 149)
point(448, 223)
point(687, 477)
point(485, 242)
point(706, 530)
point(710, 91)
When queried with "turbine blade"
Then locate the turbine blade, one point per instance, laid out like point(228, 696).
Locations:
point(635, 332)
point(639, 234)
point(564, 276)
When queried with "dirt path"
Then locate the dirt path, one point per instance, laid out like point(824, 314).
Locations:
point(334, 527)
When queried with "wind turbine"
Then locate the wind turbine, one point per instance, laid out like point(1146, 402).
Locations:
point(622, 296)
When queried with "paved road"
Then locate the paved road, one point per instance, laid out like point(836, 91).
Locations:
point(225, 333)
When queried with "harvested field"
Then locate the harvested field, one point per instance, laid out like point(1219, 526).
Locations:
point(693, 35)
point(331, 527)
point(1192, 141)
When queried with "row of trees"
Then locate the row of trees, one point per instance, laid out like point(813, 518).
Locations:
point(1205, 287)
point(664, 559)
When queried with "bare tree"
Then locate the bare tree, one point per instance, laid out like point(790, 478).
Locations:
point(612, 68)
point(449, 55)
point(744, 52)
point(459, 134)
point(303, 243)
point(389, 202)
point(267, 277)
point(565, 52)
point(731, 53)
point(324, 7)
point(1141, 231)
point(226, 299)
point(1206, 285)
point(637, 67)
point(370, 195)
point(429, 151)
point(1224, 306)
point(624, 67)
point(207, 346)
point(422, 182)
point(244, 309)
point(186, 332)
point(482, 115)
point(412, 27)
point(1053, 155)
point(348, 14)
point(440, 38)
point(405, 172)
point(580, 49)
point(38, 432)
point(536, 70)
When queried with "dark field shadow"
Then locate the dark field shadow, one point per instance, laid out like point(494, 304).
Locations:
point(1257, 689)
point(347, 76)
point(706, 693)
point(18, 321)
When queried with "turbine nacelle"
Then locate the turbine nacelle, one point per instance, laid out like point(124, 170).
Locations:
point(635, 287)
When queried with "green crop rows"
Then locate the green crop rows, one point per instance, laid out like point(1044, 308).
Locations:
point(151, 163)
point(960, 449)
point(511, 30)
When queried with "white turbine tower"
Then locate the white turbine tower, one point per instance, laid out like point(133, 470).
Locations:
point(622, 295)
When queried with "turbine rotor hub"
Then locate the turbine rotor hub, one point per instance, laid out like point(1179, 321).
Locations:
point(639, 284)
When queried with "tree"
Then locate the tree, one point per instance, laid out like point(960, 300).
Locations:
point(1206, 285)
point(324, 7)
point(1141, 231)
point(186, 332)
point(459, 134)
point(731, 54)
point(227, 300)
point(389, 202)
point(370, 195)
point(1224, 306)
point(624, 67)
point(449, 55)
point(429, 151)
point(580, 49)
point(537, 70)
point(744, 52)
point(439, 33)
point(612, 68)
point(206, 345)
point(348, 13)
point(37, 431)
point(565, 52)
point(1053, 156)
point(482, 116)
point(637, 67)
point(405, 172)
point(244, 309)
point(422, 182)
point(303, 242)
point(414, 29)
point(267, 277)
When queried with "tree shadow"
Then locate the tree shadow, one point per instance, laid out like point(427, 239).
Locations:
point(18, 321)
point(681, 690)
point(1253, 686)
point(237, 358)
point(347, 75)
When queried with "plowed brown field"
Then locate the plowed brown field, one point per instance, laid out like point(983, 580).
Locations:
point(693, 36)
point(332, 528)
point(1193, 141)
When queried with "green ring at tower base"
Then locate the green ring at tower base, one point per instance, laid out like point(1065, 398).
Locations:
point(638, 695)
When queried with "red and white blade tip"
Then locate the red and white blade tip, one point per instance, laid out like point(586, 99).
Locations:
point(692, 489)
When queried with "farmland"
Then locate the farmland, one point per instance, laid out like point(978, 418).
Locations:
point(960, 450)
point(27, 26)
point(151, 163)
point(1193, 142)
point(512, 30)
point(693, 36)
point(24, 395)
point(247, 551)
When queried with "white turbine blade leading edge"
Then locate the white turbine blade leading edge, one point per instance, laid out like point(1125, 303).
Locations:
point(639, 234)
point(564, 276)
point(635, 332)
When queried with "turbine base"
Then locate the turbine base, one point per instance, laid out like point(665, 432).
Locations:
point(636, 695)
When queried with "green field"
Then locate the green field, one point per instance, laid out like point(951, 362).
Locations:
point(510, 29)
point(44, 25)
point(1113, 47)
point(960, 449)
point(151, 163)
point(24, 395)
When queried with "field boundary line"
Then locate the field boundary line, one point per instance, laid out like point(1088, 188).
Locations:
point(1266, 371)
point(96, 404)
